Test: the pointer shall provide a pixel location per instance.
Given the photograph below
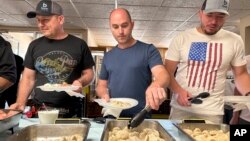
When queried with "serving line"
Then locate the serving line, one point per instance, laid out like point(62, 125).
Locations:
point(96, 129)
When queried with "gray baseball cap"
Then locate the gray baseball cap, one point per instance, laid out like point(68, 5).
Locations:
point(46, 8)
point(220, 6)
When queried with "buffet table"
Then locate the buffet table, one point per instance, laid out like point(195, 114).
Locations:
point(95, 130)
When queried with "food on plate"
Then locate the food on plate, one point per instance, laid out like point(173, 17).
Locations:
point(125, 134)
point(64, 84)
point(207, 135)
point(75, 137)
point(118, 103)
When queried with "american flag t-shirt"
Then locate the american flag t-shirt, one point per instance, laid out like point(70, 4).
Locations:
point(204, 59)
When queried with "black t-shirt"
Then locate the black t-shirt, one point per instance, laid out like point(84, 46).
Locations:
point(7, 62)
point(57, 61)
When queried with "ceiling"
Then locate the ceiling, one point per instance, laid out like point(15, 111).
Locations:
point(156, 21)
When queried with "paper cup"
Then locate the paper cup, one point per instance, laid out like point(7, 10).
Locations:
point(48, 117)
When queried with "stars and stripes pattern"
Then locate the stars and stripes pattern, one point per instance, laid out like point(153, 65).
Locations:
point(204, 59)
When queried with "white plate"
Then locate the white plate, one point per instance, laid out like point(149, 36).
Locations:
point(237, 99)
point(130, 101)
point(57, 87)
point(72, 93)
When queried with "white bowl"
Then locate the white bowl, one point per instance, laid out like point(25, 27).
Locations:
point(48, 117)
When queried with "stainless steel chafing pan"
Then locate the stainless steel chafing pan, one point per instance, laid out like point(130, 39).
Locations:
point(110, 124)
point(201, 126)
point(9, 118)
point(51, 132)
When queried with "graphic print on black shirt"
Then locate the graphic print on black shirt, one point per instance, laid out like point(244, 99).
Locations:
point(56, 66)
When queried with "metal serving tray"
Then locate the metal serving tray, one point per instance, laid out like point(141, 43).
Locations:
point(110, 124)
point(9, 119)
point(41, 132)
point(202, 126)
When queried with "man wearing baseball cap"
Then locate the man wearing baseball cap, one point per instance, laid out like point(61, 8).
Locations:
point(55, 58)
point(204, 55)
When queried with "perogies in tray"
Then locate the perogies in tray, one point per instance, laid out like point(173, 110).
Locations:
point(126, 134)
point(151, 129)
point(9, 118)
point(205, 132)
point(52, 132)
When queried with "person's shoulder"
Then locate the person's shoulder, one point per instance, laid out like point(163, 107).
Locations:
point(229, 34)
point(2, 42)
point(73, 37)
point(188, 31)
point(140, 43)
point(38, 40)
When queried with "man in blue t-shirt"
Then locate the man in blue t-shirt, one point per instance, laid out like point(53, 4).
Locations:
point(128, 69)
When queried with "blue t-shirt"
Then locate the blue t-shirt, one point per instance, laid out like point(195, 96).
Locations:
point(128, 72)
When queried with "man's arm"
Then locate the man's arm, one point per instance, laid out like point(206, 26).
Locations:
point(86, 78)
point(4, 84)
point(236, 115)
point(155, 93)
point(25, 87)
point(183, 95)
point(7, 66)
point(242, 79)
point(102, 89)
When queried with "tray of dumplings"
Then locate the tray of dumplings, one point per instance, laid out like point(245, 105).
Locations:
point(9, 119)
point(52, 132)
point(204, 132)
point(115, 130)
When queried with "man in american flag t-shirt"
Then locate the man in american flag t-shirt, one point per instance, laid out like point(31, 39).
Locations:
point(202, 56)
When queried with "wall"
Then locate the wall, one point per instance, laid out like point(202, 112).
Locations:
point(245, 32)
point(19, 41)
point(247, 39)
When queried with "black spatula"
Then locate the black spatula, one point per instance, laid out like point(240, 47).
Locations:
point(138, 118)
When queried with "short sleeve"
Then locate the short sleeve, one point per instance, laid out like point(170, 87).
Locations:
point(88, 60)
point(154, 57)
point(239, 57)
point(104, 73)
point(7, 63)
point(173, 51)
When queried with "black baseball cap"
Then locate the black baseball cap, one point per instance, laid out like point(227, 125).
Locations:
point(46, 8)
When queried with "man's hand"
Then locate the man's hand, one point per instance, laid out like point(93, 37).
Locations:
point(106, 97)
point(17, 106)
point(155, 95)
point(79, 84)
point(182, 98)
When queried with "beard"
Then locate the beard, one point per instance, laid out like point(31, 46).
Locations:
point(207, 32)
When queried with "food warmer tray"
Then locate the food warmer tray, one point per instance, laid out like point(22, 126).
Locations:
point(40, 132)
point(203, 126)
point(110, 124)
point(9, 121)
